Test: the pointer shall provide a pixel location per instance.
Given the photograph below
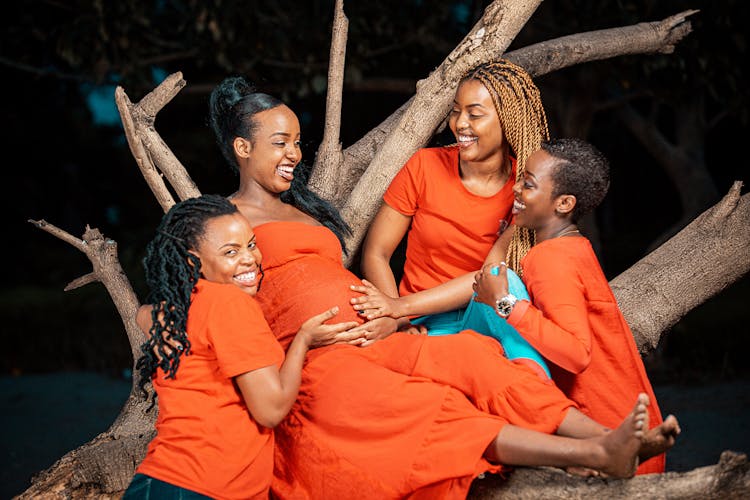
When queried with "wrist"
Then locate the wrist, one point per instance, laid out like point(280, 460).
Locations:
point(505, 304)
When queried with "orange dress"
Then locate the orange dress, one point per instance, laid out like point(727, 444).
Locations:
point(409, 416)
point(574, 321)
point(452, 229)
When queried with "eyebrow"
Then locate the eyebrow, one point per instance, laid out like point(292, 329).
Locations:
point(529, 174)
point(473, 105)
point(283, 134)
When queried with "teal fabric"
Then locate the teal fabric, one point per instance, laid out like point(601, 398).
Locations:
point(482, 319)
point(143, 487)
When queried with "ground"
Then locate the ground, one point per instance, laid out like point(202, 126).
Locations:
point(44, 416)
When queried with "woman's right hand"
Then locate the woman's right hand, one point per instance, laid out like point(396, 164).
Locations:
point(317, 334)
point(373, 303)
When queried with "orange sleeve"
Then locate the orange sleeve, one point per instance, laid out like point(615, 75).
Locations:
point(241, 337)
point(556, 324)
point(403, 193)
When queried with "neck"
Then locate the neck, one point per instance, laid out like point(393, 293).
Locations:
point(251, 193)
point(495, 167)
point(557, 231)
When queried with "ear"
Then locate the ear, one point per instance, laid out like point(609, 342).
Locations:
point(242, 147)
point(564, 204)
point(195, 254)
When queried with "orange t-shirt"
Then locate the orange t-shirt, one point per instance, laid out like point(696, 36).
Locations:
point(206, 440)
point(574, 321)
point(452, 229)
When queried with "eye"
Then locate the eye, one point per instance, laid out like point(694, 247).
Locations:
point(454, 111)
point(280, 144)
point(252, 245)
point(230, 253)
point(297, 143)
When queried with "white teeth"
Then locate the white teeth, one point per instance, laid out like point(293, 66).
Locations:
point(285, 171)
point(248, 277)
point(466, 138)
point(518, 206)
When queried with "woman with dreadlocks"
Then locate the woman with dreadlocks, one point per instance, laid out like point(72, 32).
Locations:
point(407, 416)
point(221, 376)
point(455, 203)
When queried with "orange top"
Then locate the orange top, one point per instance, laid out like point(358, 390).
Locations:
point(405, 417)
point(575, 323)
point(206, 440)
point(452, 229)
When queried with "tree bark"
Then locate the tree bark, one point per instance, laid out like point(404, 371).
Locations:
point(705, 257)
point(329, 160)
point(105, 465)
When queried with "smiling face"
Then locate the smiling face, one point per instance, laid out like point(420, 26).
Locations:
point(229, 254)
point(476, 125)
point(274, 151)
point(534, 206)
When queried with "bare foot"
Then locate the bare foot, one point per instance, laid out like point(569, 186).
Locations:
point(582, 471)
point(622, 445)
point(659, 439)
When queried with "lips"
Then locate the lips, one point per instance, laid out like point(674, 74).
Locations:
point(466, 140)
point(518, 206)
point(247, 279)
point(285, 172)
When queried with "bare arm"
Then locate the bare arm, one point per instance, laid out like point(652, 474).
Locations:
point(269, 392)
point(453, 294)
point(385, 233)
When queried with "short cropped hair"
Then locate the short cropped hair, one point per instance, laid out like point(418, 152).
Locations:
point(581, 170)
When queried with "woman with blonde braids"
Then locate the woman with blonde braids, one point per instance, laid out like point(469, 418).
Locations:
point(455, 204)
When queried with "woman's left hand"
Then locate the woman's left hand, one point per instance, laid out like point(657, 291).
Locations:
point(490, 286)
point(376, 329)
point(373, 303)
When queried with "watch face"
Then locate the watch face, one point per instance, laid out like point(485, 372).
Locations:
point(505, 305)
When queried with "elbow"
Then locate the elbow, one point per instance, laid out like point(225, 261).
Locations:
point(580, 363)
point(270, 419)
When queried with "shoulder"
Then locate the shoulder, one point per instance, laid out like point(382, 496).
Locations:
point(210, 294)
point(554, 257)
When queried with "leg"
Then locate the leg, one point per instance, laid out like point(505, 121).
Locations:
point(475, 365)
point(481, 318)
point(614, 453)
point(655, 441)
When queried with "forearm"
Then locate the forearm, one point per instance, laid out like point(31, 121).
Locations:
point(377, 270)
point(562, 346)
point(448, 296)
point(290, 374)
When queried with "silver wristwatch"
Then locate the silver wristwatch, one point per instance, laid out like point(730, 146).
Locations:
point(504, 306)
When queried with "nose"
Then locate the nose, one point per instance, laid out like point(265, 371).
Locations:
point(293, 152)
point(462, 121)
point(251, 256)
point(517, 187)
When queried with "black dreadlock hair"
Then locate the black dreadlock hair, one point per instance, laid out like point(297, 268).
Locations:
point(171, 274)
point(232, 106)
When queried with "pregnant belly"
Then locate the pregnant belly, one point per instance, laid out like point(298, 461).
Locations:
point(293, 293)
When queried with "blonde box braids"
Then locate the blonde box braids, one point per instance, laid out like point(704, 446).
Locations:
point(524, 123)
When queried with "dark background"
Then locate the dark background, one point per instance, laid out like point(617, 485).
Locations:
point(66, 159)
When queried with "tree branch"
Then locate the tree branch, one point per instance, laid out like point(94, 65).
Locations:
point(148, 147)
point(665, 285)
point(329, 159)
point(730, 478)
point(537, 59)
